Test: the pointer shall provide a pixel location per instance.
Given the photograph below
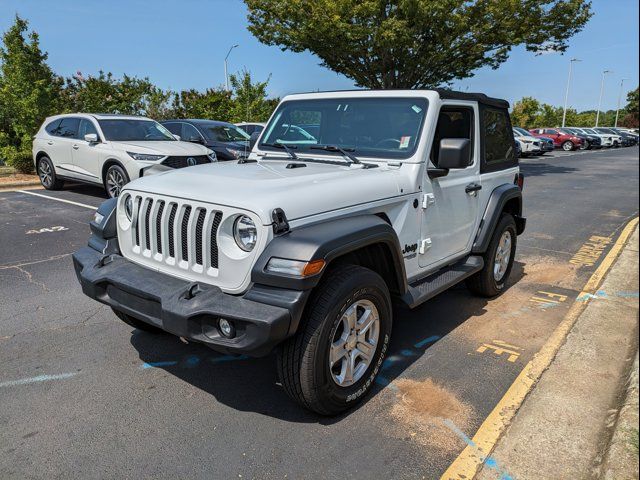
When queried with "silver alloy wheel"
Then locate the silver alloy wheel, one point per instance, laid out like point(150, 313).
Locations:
point(44, 172)
point(354, 343)
point(115, 182)
point(503, 255)
point(567, 146)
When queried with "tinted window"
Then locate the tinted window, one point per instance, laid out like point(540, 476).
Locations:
point(52, 128)
point(226, 133)
point(498, 137)
point(86, 127)
point(68, 128)
point(375, 127)
point(551, 132)
point(190, 133)
point(175, 128)
point(452, 123)
point(130, 130)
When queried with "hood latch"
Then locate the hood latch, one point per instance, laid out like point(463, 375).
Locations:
point(280, 223)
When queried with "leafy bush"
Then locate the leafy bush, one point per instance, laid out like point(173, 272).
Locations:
point(21, 160)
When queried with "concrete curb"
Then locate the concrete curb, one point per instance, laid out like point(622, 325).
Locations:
point(16, 185)
point(564, 426)
point(478, 452)
point(621, 460)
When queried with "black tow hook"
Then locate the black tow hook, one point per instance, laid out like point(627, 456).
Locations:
point(104, 261)
point(192, 290)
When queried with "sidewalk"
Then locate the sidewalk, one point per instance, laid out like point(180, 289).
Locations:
point(564, 428)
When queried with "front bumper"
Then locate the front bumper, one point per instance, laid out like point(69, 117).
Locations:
point(187, 309)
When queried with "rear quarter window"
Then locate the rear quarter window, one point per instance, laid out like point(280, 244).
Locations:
point(52, 127)
point(499, 148)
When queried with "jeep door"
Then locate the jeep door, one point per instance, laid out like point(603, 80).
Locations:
point(450, 208)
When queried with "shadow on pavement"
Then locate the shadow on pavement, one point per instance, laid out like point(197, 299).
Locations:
point(542, 169)
point(251, 384)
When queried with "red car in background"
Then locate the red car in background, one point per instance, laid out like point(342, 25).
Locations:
point(560, 139)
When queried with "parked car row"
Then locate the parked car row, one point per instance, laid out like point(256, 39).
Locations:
point(111, 150)
point(574, 138)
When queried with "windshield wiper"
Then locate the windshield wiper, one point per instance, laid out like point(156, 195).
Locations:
point(335, 148)
point(292, 155)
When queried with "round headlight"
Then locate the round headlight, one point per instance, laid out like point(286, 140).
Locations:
point(128, 207)
point(245, 233)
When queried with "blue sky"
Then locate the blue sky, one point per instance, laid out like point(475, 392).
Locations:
point(182, 44)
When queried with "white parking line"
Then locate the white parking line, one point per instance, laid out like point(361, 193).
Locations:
point(58, 199)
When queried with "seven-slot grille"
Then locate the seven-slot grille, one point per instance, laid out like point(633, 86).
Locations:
point(176, 232)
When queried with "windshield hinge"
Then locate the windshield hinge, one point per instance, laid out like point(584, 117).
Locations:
point(280, 223)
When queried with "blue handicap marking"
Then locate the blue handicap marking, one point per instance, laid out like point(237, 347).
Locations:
point(426, 341)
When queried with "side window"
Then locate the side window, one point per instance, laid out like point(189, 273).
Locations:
point(52, 128)
point(498, 140)
point(86, 127)
point(190, 133)
point(249, 129)
point(453, 122)
point(551, 132)
point(69, 128)
point(175, 128)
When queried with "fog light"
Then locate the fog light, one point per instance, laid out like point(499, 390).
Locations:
point(226, 328)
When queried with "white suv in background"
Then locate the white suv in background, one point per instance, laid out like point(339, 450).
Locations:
point(528, 144)
point(108, 150)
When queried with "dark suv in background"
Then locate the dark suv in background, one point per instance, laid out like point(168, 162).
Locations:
point(591, 141)
point(226, 139)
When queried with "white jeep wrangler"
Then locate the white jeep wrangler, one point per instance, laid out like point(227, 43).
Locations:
point(347, 200)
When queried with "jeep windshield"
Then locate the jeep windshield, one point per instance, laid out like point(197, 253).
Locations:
point(131, 130)
point(383, 127)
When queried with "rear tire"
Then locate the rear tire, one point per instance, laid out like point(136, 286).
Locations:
point(568, 146)
point(47, 174)
point(135, 323)
point(330, 364)
point(498, 260)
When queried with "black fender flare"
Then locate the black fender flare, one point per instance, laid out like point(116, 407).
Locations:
point(327, 241)
point(495, 206)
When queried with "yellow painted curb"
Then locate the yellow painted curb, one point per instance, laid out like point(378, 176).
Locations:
point(468, 463)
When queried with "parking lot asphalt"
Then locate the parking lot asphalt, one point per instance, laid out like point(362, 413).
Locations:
point(83, 395)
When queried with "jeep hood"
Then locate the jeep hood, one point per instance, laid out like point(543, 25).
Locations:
point(260, 187)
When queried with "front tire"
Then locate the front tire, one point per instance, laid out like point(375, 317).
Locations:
point(114, 180)
point(47, 174)
point(498, 260)
point(568, 146)
point(332, 361)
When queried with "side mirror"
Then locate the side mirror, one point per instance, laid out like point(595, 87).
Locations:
point(194, 139)
point(454, 153)
point(253, 139)
point(177, 137)
point(91, 138)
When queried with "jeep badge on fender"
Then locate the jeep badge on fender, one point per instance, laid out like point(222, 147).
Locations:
point(301, 246)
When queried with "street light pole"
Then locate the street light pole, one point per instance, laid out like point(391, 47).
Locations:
point(619, 99)
point(226, 75)
point(601, 92)
point(566, 93)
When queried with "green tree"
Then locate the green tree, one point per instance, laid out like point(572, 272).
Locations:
point(631, 113)
point(250, 103)
point(29, 92)
point(213, 103)
point(415, 43)
point(525, 112)
point(106, 94)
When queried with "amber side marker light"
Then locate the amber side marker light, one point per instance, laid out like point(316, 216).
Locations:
point(313, 267)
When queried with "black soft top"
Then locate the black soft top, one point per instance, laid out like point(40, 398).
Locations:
point(473, 97)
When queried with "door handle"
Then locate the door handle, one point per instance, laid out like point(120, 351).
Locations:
point(75, 146)
point(49, 142)
point(473, 187)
